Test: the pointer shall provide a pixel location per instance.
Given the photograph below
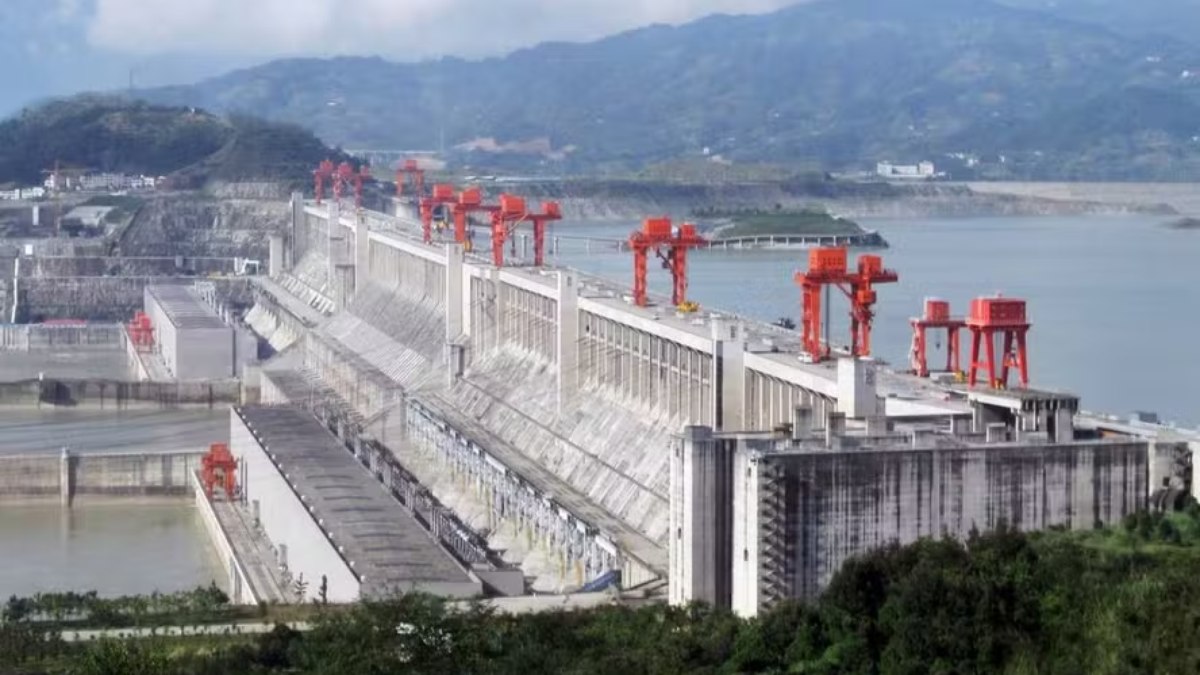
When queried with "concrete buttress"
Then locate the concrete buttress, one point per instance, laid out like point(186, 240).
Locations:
point(362, 254)
point(567, 337)
point(729, 348)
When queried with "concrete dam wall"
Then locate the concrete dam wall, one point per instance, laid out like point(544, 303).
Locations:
point(809, 512)
point(541, 404)
point(119, 395)
point(75, 477)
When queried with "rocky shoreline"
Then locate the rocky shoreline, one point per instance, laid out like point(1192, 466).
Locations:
point(630, 200)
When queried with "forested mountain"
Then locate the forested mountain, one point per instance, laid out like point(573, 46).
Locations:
point(838, 83)
point(1176, 18)
point(104, 133)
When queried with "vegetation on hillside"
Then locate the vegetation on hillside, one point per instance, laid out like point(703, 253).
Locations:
point(111, 134)
point(757, 222)
point(1118, 600)
point(839, 84)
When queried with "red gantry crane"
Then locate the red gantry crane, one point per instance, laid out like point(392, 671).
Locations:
point(504, 220)
point(937, 315)
point(828, 267)
point(998, 316)
point(363, 175)
point(671, 246)
point(550, 213)
point(512, 212)
point(342, 176)
point(470, 201)
point(141, 332)
point(218, 467)
point(442, 194)
point(323, 175)
point(411, 174)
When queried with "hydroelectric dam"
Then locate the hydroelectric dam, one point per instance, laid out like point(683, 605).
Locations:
point(540, 424)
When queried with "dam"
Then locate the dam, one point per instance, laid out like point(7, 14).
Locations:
point(543, 407)
point(431, 420)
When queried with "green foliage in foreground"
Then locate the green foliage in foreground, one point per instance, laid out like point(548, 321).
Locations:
point(1119, 600)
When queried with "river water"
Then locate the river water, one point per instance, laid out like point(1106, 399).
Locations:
point(1114, 301)
point(118, 548)
point(113, 547)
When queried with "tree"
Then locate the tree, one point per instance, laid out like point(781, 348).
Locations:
point(300, 588)
point(323, 591)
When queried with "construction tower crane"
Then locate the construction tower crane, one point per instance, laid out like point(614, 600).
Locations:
point(671, 245)
point(936, 316)
point(989, 318)
point(827, 267)
point(442, 193)
point(323, 174)
point(410, 173)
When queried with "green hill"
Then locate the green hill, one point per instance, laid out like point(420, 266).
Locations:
point(838, 84)
point(118, 135)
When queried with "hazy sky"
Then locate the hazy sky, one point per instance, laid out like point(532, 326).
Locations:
point(54, 47)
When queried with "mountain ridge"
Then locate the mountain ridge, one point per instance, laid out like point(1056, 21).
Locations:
point(840, 83)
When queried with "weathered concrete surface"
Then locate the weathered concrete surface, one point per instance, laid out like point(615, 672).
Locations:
point(105, 298)
point(799, 516)
point(97, 476)
point(41, 337)
point(116, 395)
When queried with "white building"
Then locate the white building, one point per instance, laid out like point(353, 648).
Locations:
point(18, 194)
point(919, 171)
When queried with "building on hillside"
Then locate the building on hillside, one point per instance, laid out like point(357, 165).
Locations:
point(100, 182)
point(17, 194)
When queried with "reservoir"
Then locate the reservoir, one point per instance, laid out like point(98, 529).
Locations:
point(1113, 300)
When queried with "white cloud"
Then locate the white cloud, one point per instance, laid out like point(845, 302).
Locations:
point(402, 29)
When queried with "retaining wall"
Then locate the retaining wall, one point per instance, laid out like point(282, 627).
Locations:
point(35, 337)
point(97, 476)
point(106, 394)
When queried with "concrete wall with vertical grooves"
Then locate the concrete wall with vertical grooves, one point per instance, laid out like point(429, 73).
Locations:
point(133, 475)
point(105, 394)
point(24, 477)
point(35, 337)
point(98, 475)
point(817, 509)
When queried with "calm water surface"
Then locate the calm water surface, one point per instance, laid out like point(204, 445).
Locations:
point(1114, 301)
point(113, 548)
